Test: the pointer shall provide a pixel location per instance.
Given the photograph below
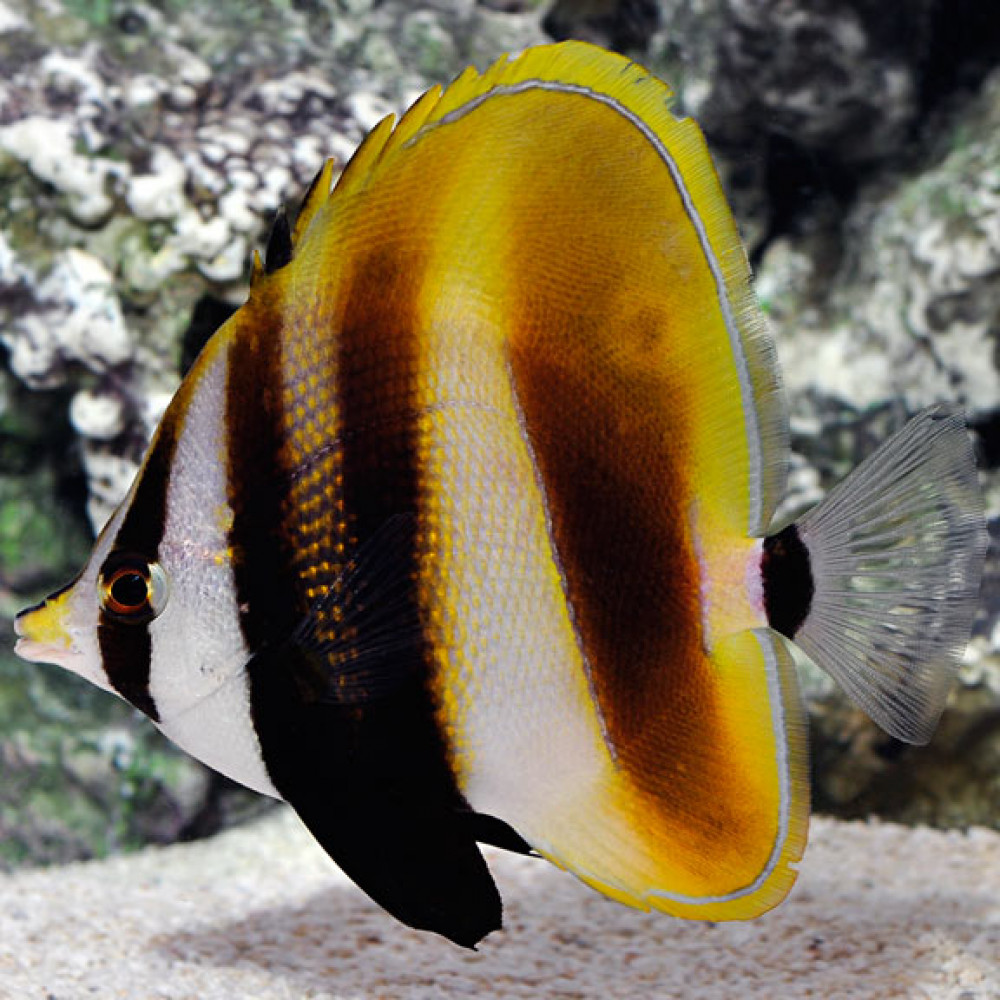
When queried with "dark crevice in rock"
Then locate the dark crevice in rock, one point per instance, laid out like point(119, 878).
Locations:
point(623, 25)
point(39, 455)
point(224, 804)
point(828, 100)
point(801, 186)
point(962, 44)
point(987, 432)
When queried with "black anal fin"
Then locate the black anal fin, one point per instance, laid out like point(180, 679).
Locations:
point(372, 784)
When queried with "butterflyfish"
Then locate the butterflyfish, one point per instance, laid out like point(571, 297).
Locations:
point(458, 532)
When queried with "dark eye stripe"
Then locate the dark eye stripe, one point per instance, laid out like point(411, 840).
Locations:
point(127, 647)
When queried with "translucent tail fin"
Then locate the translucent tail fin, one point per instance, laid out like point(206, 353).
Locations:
point(896, 553)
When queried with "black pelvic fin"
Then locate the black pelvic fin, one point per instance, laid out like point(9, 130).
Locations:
point(419, 865)
point(279, 244)
point(788, 581)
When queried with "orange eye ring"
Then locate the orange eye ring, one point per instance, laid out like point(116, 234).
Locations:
point(132, 589)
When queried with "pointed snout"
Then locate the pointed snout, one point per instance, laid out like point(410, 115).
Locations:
point(43, 636)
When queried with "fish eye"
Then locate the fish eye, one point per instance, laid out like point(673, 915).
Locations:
point(133, 590)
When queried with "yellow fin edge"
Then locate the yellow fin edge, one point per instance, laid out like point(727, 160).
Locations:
point(606, 858)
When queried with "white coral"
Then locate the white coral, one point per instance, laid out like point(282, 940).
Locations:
point(47, 146)
point(97, 415)
point(160, 193)
point(79, 320)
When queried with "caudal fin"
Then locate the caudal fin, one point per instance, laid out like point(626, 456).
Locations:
point(893, 557)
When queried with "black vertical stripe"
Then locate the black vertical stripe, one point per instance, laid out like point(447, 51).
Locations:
point(611, 458)
point(370, 778)
point(266, 587)
point(126, 647)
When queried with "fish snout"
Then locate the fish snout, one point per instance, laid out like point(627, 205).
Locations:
point(43, 636)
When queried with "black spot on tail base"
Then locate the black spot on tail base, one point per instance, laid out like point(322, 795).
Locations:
point(788, 581)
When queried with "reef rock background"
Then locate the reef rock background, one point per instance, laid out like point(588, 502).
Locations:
point(144, 148)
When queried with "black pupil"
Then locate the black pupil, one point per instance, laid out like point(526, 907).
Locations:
point(130, 590)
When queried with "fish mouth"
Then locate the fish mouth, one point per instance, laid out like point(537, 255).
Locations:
point(40, 652)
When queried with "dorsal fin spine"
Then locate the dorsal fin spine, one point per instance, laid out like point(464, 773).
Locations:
point(359, 167)
point(256, 269)
point(315, 198)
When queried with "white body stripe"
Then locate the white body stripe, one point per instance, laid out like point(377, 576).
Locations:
point(197, 675)
point(512, 659)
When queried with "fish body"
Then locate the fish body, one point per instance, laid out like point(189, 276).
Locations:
point(456, 532)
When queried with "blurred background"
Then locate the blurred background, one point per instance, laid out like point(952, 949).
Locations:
point(144, 148)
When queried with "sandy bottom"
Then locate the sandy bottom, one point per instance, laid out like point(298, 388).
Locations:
point(260, 912)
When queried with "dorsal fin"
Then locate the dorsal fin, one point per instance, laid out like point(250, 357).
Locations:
point(579, 68)
point(313, 200)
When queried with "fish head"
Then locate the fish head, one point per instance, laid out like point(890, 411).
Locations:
point(154, 615)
